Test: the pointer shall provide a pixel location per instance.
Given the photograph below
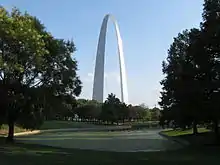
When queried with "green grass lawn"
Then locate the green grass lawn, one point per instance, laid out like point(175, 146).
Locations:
point(179, 132)
point(56, 124)
point(28, 154)
point(4, 129)
point(50, 125)
point(205, 137)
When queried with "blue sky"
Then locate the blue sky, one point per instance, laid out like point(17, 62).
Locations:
point(147, 28)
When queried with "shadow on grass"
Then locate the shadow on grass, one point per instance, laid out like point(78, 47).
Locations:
point(205, 137)
point(30, 154)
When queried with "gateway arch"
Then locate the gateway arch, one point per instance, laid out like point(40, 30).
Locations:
point(98, 84)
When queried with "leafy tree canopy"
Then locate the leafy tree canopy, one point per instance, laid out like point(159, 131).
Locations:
point(35, 69)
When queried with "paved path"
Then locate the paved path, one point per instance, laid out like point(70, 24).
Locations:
point(121, 141)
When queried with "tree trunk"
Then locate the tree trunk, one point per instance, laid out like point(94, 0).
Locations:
point(195, 130)
point(10, 137)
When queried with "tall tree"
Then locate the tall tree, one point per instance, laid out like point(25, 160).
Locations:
point(180, 86)
point(110, 109)
point(210, 41)
point(35, 68)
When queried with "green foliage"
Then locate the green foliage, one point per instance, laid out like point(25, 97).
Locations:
point(88, 109)
point(37, 72)
point(110, 109)
point(113, 111)
point(191, 85)
point(154, 114)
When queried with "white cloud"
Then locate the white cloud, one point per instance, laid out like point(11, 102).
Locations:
point(88, 78)
point(90, 74)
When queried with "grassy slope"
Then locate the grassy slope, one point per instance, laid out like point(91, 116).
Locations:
point(50, 125)
point(181, 132)
point(34, 154)
point(204, 138)
point(4, 129)
point(64, 124)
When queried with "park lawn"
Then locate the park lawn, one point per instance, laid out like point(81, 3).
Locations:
point(4, 129)
point(50, 125)
point(180, 132)
point(205, 137)
point(30, 154)
point(56, 124)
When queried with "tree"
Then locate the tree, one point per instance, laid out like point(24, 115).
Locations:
point(210, 41)
point(35, 69)
point(155, 114)
point(132, 114)
point(110, 109)
point(88, 109)
point(181, 93)
point(123, 112)
point(201, 102)
point(64, 109)
point(141, 112)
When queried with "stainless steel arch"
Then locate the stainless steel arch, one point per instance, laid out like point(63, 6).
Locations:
point(98, 84)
